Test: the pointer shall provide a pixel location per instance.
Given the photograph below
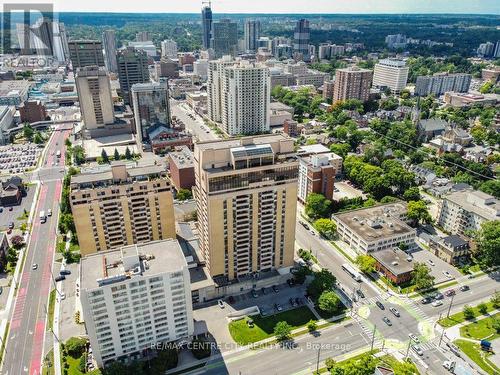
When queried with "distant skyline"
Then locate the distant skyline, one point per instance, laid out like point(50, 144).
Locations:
point(282, 6)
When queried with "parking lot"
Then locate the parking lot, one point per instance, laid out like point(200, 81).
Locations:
point(345, 190)
point(16, 214)
point(436, 265)
point(68, 327)
point(19, 158)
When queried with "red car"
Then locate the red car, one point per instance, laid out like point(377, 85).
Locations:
point(450, 293)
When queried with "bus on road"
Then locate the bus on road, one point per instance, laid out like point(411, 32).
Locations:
point(352, 271)
point(43, 218)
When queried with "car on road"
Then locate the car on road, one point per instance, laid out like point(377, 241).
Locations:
point(275, 289)
point(414, 338)
point(437, 303)
point(254, 293)
point(11, 225)
point(63, 296)
point(304, 225)
point(417, 350)
point(221, 303)
point(430, 261)
point(49, 212)
point(34, 266)
point(1, 209)
point(9, 231)
point(380, 305)
point(395, 311)
point(360, 293)
point(448, 365)
point(464, 288)
point(64, 272)
point(60, 278)
point(278, 307)
point(387, 321)
point(450, 293)
point(437, 296)
point(11, 208)
point(447, 274)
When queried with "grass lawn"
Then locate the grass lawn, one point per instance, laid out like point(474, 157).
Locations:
point(459, 317)
point(475, 353)
point(52, 302)
point(48, 364)
point(73, 367)
point(353, 358)
point(264, 326)
point(482, 329)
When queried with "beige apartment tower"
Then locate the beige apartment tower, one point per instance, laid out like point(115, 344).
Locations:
point(122, 205)
point(246, 195)
point(352, 83)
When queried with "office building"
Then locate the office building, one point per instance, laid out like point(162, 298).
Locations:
point(393, 264)
point(246, 98)
point(369, 230)
point(252, 35)
point(181, 167)
point(224, 38)
point(391, 74)
point(143, 36)
point(169, 49)
point(352, 83)
point(49, 38)
point(440, 83)
point(246, 196)
point(134, 298)
point(464, 211)
point(215, 86)
point(151, 107)
point(121, 205)
point(14, 92)
point(200, 68)
point(166, 68)
point(7, 114)
point(85, 53)
point(396, 41)
point(94, 95)
point(109, 43)
point(132, 69)
point(32, 111)
point(206, 26)
point(146, 46)
point(301, 38)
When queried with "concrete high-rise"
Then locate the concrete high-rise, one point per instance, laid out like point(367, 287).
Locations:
point(246, 98)
point(440, 83)
point(48, 37)
point(301, 38)
point(122, 205)
point(391, 74)
point(151, 106)
point(246, 196)
point(169, 49)
point(215, 86)
point(132, 69)
point(252, 35)
point(352, 83)
point(85, 53)
point(206, 26)
point(94, 96)
point(109, 43)
point(224, 38)
point(134, 298)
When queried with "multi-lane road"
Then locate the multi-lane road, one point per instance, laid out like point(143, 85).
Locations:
point(27, 328)
point(194, 124)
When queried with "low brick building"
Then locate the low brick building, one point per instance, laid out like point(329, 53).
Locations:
point(181, 165)
point(32, 111)
point(393, 264)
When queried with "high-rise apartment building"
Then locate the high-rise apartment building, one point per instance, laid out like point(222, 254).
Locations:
point(352, 83)
point(246, 98)
point(169, 49)
point(224, 37)
point(143, 36)
point(134, 298)
point(109, 43)
point(252, 35)
point(246, 196)
point(151, 107)
point(94, 96)
point(206, 26)
point(391, 74)
point(440, 83)
point(396, 41)
point(301, 38)
point(121, 205)
point(85, 53)
point(215, 86)
point(132, 69)
point(48, 38)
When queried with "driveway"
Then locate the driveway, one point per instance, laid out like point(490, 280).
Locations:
point(344, 190)
point(424, 256)
point(68, 328)
point(17, 211)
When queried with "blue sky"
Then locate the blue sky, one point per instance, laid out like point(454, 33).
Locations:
point(284, 6)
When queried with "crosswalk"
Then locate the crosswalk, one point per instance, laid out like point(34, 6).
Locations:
point(368, 330)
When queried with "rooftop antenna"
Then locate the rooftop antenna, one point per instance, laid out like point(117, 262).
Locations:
point(209, 2)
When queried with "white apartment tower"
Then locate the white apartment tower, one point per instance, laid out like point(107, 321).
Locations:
point(169, 49)
point(215, 86)
point(134, 298)
point(390, 73)
point(246, 99)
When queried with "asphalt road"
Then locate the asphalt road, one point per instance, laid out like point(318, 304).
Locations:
point(27, 333)
point(181, 110)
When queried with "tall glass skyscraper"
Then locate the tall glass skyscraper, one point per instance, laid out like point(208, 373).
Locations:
point(109, 44)
point(206, 24)
point(301, 38)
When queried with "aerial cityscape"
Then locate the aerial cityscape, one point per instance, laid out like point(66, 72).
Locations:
point(230, 187)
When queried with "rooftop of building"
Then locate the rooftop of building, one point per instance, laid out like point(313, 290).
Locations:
point(133, 261)
point(454, 241)
point(238, 142)
point(376, 223)
point(481, 204)
point(353, 68)
point(316, 149)
point(182, 157)
point(394, 260)
point(433, 124)
point(14, 87)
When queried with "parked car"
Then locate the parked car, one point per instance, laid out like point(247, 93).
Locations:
point(64, 272)
point(278, 307)
point(395, 311)
point(250, 323)
point(11, 225)
point(263, 312)
point(221, 303)
point(63, 296)
point(254, 293)
point(275, 289)
point(438, 296)
point(417, 350)
point(60, 278)
point(49, 212)
point(360, 293)
point(464, 288)
point(414, 338)
point(387, 321)
point(292, 302)
point(447, 274)
point(380, 305)
point(431, 262)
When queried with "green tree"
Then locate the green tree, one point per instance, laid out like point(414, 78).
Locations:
point(491, 187)
point(312, 326)
point(12, 256)
point(79, 155)
point(496, 325)
point(422, 278)
point(418, 212)
point(282, 330)
point(366, 263)
point(329, 302)
point(341, 149)
point(104, 156)
point(116, 155)
point(483, 308)
point(28, 132)
point(317, 206)
point(323, 280)
point(75, 346)
point(128, 154)
point(404, 368)
point(488, 244)
point(67, 142)
point(469, 312)
point(329, 363)
point(412, 194)
point(495, 300)
point(325, 227)
point(37, 138)
point(184, 194)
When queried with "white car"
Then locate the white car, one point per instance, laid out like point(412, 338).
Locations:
point(431, 262)
point(417, 350)
point(414, 338)
point(447, 274)
point(49, 212)
point(221, 303)
point(437, 303)
point(63, 296)
point(34, 266)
